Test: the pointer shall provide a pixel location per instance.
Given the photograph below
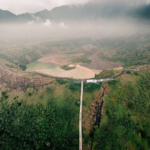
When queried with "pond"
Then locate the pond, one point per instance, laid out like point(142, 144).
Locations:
point(54, 70)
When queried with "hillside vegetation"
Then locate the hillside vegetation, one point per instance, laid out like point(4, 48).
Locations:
point(20, 55)
point(46, 120)
point(125, 121)
point(129, 51)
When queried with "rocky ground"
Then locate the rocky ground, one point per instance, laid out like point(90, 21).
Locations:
point(19, 81)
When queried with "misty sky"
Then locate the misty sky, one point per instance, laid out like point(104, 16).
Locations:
point(22, 6)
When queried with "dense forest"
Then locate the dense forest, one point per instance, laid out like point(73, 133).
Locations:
point(49, 123)
point(124, 125)
point(126, 116)
point(29, 127)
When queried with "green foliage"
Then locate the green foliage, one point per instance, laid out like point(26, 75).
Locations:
point(9, 66)
point(21, 55)
point(91, 87)
point(136, 73)
point(31, 86)
point(105, 74)
point(23, 67)
point(127, 111)
point(75, 86)
point(86, 139)
point(92, 133)
point(30, 94)
point(4, 95)
point(129, 51)
point(62, 81)
point(128, 72)
point(49, 90)
point(81, 59)
point(66, 67)
point(113, 82)
point(88, 87)
point(26, 127)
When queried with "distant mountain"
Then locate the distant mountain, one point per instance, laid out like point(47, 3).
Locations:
point(43, 15)
point(87, 12)
point(6, 16)
point(143, 12)
point(26, 17)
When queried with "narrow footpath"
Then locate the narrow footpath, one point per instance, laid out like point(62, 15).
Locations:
point(80, 118)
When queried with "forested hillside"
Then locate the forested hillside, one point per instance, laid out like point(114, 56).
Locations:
point(129, 51)
point(125, 120)
point(47, 121)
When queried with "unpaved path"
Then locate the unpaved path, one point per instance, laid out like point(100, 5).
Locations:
point(80, 118)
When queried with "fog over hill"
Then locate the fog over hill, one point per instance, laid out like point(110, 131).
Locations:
point(92, 11)
point(92, 19)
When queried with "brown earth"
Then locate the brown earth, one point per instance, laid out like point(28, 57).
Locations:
point(108, 54)
point(59, 59)
point(19, 81)
point(28, 58)
point(94, 115)
point(100, 64)
point(89, 47)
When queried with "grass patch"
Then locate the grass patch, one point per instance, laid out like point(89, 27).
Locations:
point(81, 59)
point(62, 81)
point(105, 74)
point(66, 67)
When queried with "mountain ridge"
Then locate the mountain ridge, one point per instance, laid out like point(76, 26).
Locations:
point(89, 11)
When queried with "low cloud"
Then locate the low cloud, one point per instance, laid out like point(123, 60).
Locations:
point(47, 23)
point(62, 24)
point(30, 23)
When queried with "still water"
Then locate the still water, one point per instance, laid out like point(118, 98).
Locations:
point(54, 70)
